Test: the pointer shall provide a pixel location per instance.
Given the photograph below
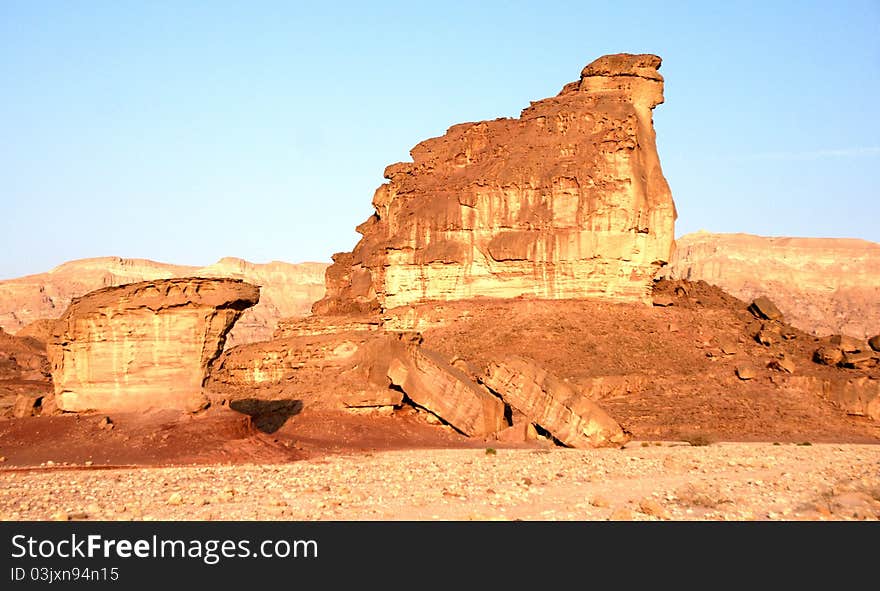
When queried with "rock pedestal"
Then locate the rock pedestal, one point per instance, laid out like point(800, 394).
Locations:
point(143, 345)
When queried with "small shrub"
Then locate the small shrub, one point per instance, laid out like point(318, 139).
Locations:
point(698, 440)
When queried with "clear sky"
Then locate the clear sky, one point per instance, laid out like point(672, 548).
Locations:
point(185, 131)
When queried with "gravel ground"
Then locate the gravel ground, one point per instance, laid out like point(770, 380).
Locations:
point(644, 481)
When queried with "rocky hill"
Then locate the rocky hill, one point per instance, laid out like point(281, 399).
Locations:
point(288, 290)
point(567, 201)
point(823, 285)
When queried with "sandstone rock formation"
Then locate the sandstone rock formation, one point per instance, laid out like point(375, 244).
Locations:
point(822, 285)
point(568, 201)
point(144, 345)
point(325, 371)
point(358, 369)
point(22, 358)
point(287, 290)
point(432, 383)
point(762, 307)
point(858, 396)
point(24, 372)
point(547, 401)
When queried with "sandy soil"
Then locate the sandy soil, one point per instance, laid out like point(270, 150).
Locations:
point(644, 481)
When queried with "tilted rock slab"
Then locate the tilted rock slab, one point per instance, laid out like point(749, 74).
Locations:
point(144, 345)
point(572, 418)
point(432, 383)
point(568, 201)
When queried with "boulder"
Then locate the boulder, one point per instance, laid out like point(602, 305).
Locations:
point(745, 373)
point(828, 355)
point(847, 344)
point(567, 201)
point(435, 385)
point(572, 418)
point(768, 336)
point(322, 370)
point(874, 342)
point(858, 360)
point(728, 346)
point(782, 363)
point(762, 307)
point(24, 368)
point(144, 345)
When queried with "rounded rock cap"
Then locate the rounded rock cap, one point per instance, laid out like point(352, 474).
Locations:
point(643, 65)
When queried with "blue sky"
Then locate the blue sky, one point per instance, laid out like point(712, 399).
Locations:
point(187, 131)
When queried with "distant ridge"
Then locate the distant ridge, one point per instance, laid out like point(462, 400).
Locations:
point(288, 289)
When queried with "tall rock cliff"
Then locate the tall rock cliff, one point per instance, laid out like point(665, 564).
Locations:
point(143, 345)
point(821, 285)
point(287, 290)
point(567, 201)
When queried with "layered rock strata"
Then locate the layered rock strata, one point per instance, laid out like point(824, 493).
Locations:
point(24, 374)
point(144, 345)
point(858, 395)
point(434, 384)
point(364, 368)
point(822, 285)
point(567, 201)
point(326, 371)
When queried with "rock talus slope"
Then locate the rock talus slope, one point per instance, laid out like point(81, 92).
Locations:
point(143, 345)
point(822, 285)
point(567, 201)
point(288, 290)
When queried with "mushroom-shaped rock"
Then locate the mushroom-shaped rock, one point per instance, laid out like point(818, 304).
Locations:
point(144, 345)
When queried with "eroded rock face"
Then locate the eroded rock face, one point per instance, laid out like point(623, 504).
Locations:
point(568, 201)
point(545, 400)
point(287, 290)
point(328, 370)
point(144, 345)
point(822, 285)
point(24, 373)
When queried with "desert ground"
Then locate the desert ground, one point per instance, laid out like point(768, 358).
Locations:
point(646, 481)
point(704, 445)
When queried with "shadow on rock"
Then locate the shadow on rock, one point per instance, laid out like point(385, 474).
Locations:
point(268, 415)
